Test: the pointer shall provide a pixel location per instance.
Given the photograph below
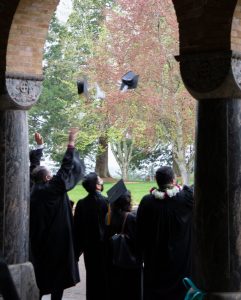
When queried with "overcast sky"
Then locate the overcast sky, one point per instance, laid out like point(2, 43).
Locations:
point(64, 9)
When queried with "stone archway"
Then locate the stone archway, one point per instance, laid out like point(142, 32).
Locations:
point(24, 27)
point(210, 64)
point(236, 28)
point(210, 71)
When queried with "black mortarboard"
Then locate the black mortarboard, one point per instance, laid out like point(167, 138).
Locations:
point(129, 81)
point(116, 191)
point(82, 86)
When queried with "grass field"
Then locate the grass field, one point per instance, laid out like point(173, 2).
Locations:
point(137, 189)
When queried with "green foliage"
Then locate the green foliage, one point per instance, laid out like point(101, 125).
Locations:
point(67, 50)
point(93, 44)
point(157, 156)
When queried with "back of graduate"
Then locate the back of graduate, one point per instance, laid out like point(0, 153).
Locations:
point(125, 282)
point(164, 221)
point(51, 224)
point(89, 228)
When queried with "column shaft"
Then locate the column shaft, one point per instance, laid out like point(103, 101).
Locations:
point(217, 218)
point(14, 186)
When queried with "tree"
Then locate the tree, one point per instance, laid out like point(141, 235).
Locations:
point(148, 161)
point(67, 50)
point(94, 44)
point(146, 46)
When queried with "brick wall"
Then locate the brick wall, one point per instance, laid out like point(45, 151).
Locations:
point(236, 29)
point(203, 25)
point(27, 36)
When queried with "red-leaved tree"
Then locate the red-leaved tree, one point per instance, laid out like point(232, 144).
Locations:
point(141, 36)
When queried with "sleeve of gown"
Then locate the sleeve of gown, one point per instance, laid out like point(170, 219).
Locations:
point(140, 229)
point(71, 171)
point(78, 231)
point(186, 197)
point(35, 158)
point(184, 203)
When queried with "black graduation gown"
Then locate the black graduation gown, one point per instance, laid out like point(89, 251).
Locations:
point(164, 239)
point(125, 284)
point(34, 157)
point(51, 227)
point(89, 225)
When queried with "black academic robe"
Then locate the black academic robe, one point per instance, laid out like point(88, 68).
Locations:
point(164, 239)
point(35, 158)
point(51, 227)
point(125, 284)
point(89, 226)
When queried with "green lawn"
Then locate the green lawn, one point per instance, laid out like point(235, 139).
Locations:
point(137, 189)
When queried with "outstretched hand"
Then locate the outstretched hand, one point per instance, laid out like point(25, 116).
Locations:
point(73, 132)
point(38, 138)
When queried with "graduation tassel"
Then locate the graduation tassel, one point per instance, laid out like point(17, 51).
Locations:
point(108, 215)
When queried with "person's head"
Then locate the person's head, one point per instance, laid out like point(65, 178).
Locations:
point(123, 203)
point(100, 185)
point(92, 183)
point(41, 174)
point(164, 176)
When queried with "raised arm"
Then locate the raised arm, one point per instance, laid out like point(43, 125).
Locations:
point(36, 154)
point(72, 167)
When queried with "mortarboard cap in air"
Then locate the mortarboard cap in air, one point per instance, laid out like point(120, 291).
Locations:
point(129, 81)
point(82, 86)
point(116, 191)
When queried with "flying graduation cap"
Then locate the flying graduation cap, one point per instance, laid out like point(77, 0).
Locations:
point(82, 86)
point(129, 81)
point(116, 191)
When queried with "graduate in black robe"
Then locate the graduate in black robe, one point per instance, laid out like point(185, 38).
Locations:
point(89, 227)
point(51, 224)
point(35, 155)
point(125, 283)
point(164, 221)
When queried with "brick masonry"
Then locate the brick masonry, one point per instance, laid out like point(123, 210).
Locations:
point(236, 29)
point(28, 35)
point(24, 27)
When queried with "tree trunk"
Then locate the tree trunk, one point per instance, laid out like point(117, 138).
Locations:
point(179, 150)
point(124, 172)
point(101, 167)
point(122, 151)
point(176, 167)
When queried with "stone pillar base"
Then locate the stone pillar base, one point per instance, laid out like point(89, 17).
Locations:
point(223, 296)
point(24, 280)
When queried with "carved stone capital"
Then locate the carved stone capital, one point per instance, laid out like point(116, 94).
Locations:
point(21, 92)
point(212, 75)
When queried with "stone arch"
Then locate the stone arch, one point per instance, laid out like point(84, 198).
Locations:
point(236, 28)
point(204, 25)
point(27, 36)
point(210, 63)
point(24, 27)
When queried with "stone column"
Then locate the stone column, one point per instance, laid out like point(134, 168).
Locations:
point(213, 79)
point(20, 94)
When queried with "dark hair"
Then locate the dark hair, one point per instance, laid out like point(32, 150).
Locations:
point(123, 203)
point(164, 175)
point(89, 182)
point(39, 173)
